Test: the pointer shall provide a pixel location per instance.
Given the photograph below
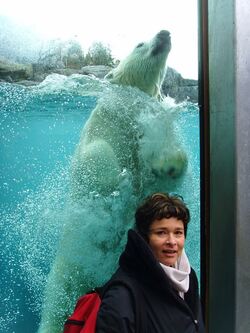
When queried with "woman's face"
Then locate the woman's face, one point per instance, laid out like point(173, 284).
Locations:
point(166, 239)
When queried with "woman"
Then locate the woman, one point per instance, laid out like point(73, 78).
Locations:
point(155, 259)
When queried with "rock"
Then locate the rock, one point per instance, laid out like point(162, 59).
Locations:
point(66, 71)
point(175, 86)
point(11, 71)
point(98, 71)
point(40, 73)
point(27, 83)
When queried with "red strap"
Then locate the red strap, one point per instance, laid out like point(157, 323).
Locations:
point(90, 324)
point(83, 319)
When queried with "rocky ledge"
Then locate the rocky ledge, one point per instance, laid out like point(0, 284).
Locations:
point(174, 85)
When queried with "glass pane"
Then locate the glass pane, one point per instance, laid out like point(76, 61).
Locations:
point(66, 208)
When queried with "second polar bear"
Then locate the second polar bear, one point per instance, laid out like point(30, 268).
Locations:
point(130, 136)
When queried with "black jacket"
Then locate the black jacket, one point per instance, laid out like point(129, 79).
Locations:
point(166, 311)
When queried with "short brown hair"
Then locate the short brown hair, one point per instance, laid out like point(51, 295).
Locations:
point(158, 206)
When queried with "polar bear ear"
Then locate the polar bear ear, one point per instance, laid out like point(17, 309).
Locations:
point(109, 76)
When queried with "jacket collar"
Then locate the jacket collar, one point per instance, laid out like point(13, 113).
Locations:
point(138, 260)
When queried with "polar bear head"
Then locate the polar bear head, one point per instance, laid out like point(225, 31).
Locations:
point(144, 68)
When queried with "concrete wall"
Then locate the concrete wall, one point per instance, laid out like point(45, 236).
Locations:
point(229, 122)
point(242, 32)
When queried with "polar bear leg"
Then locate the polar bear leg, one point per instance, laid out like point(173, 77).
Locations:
point(56, 300)
point(95, 168)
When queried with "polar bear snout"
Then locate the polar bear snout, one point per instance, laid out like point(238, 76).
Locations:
point(163, 34)
point(162, 43)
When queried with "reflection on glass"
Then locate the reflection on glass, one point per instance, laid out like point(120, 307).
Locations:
point(57, 212)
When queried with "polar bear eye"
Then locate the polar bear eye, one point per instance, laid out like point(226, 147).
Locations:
point(139, 45)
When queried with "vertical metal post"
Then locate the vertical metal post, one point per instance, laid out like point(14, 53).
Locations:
point(204, 152)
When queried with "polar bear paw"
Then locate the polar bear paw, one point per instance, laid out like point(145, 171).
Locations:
point(172, 167)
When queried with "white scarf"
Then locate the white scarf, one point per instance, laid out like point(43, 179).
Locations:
point(179, 275)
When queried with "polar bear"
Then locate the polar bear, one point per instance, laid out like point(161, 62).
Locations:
point(127, 148)
point(109, 141)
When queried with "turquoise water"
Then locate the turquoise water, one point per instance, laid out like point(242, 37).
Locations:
point(40, 129)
